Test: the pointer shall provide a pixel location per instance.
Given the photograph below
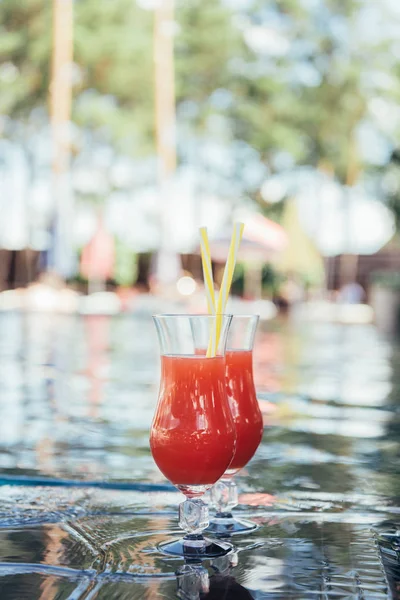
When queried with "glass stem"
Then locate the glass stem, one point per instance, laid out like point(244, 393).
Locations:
point(224, 496)
point(193, 518)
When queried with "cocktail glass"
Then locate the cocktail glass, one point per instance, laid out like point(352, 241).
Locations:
point(248, 423)
point(192, 435)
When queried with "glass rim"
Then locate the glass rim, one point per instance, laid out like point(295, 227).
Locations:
point(235, 316)
point(191, 315)
point(247, 316)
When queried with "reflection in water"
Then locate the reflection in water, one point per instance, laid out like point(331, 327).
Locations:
point(388, 537)
point(228, 588)
point(110, 547)
point(77, 396)
point(97, 335)
point(192, 581)
point(53, 551)
point(195, 583)
point(268, 360)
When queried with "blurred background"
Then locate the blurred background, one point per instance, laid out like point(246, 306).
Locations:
point(126, 125)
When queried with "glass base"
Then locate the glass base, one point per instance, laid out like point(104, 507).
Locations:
point(195, 547)
point(225, 524)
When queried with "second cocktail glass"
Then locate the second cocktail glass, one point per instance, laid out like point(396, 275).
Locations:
point(248, 423)
point(192, 436)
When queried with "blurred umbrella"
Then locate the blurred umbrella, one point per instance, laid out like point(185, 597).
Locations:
point(262, 241)
point(98, 257)
point(300, 255)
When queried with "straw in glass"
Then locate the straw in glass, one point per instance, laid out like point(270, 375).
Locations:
point(223, 295)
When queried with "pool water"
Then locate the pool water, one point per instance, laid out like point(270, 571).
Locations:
point(83, 505)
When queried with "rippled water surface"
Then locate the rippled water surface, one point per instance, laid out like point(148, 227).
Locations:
point(83, 507)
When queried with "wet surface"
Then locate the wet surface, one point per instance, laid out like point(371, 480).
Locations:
point(76, 399)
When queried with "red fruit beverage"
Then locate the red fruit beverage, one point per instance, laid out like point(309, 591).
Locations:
point(193, 435)
point(244, 406)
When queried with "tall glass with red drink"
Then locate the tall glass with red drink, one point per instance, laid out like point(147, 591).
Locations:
point(192, 436)
point(247, 418)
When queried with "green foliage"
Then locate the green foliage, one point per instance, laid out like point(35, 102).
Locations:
point(126, 264)
point(309, 102)
point(386, 279)
point(305, 102)
point(25, 54)
point(237, 286)
point(114, 52)
point(205, 44)
point(271, 279)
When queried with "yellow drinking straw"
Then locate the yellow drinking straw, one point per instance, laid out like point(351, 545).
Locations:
point(207, 270)
point(230, 267)
point(223, 295)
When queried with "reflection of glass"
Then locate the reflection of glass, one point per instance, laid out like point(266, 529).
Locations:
point(247, 418)
point(192, 435)
point(194, 582)
point(223, 565)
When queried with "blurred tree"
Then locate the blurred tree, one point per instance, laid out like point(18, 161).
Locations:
point(114, 88)
point(126, 265)
point(389, 176)
point(206, 43)
point(25, 50)
point(302, 86)
point(272, 85)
